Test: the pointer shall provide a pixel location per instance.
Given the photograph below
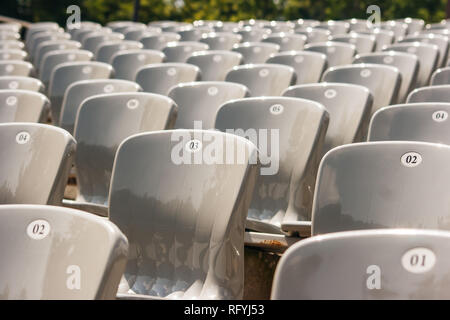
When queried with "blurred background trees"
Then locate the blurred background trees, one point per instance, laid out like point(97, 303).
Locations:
point(233, 10)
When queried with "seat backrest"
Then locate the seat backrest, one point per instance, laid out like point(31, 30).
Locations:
point(106, 50)
point(263, 79)
point(11, 44)
point(36, 160)
point(57, 242)
point(221, 40)
point(289, 134)
point(412, 122)
point(252, 34)
point(21, 83)
point(42, 37)
point(54, 58)
point(335, 27)
point(440, 77)
point(383, 38)
point(287, 41)
point(394, 264)
point(338, 53)
point(23, 106)
point(314, 35)
point(214, 65)
point(430, 94)
point(347, 124)
point(92, 41)
point(51, 45)
point(389, 184)
point(440, 40)
point(12, 54)
point(126, 63)
point(67, 73)
point(398, 27)
point(308, 66)
point(161, 77)
point(428, 55)
point(198, 102)
point(80, 90)
point(103, 122)
point(198, 249)
point(16, 68)
point(180, 51)
point(256, 52)
point(406, 63)
point(159, 41)
point(414, 25)
point(363, 43)
point(383, 81)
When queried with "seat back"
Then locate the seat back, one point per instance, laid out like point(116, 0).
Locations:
point(221, 40)
point(256, 52)
point(23, 106)
point(106, 50)
point(180, 51)
point(363, 43)
point(287, 41)
point(440, 40)
point(214, 65)
point(430, 94)
point(16, 68)
point(440, 77)
point(126, 63)
point(338, 53)
point(159, 41)
point(21, 83)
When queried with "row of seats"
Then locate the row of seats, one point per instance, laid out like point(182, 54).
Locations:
point(162, 193)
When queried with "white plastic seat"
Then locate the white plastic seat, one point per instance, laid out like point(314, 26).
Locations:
point(214, 64)
point(338, 53)
point(23, 106)
point(126, 63)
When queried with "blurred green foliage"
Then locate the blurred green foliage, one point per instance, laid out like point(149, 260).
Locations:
point(232, 10)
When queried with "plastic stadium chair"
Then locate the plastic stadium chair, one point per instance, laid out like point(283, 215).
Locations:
point(103, 122)
point(160, 78)
point(214, 65)
point(36, 159)
point(11, 44)
point(10, 54)
point(106, 50)
point(21, 83)
point(335, 27)
point(23, 106)
point(159, 41)
point(362, 42)
point(440, 77)
point(180, 51)
point(292, 131)
point(199, 101)
point(406, 63)
point(78, 91)
point(93, 40)
point(398, 264)
point(256, 52)
point(383, 81)
point(399, 28)
point(126, 63)
point(439, 40)
point(263, 79)
point(338, 53)
point(314, 35)
point(43, 37)
point(67, 73)
point(389, 184)
point(186, 234)
point(287, 41)
point(51, 45)
point(414, 25)
point(412, 122)
point(16, 68)
point(349, 106)
point(308, 66)
point(252, 34)
point(57, 243)
point(383, 38)
point(430, 94)
point(221, 40)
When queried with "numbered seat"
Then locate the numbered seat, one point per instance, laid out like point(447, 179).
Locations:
point(36, 159)
point(263, 79)
point(83, 34)
point(383, 38)
point(103, 122)
point(36, 28)
point(399, 28)
point(11, 44)
point(23, 106)
point(21, 83)
point(78, 91)
point(43, 37)
point(428, 55)
point(16, 68)
point(383, 81)
point(338, 53)
point(198, 102)
point(256, 52)
point(160, 78)
point(65, 265)
point(52, 45)
point(252, 34)
point(54, 58)
point(93, 40)
point(159, 41)
point(126, 63)
point(106, 50)
point(287, 41)
point(438, 40)
point(388, 184)
point(440, 77)
point(308, 66)
point(290, 133)
point(414, 25)
point(393, 264)
point(406, 63)
point(180, 211)
point(349, 106)
point(314, 35)
point(67, 73)
point(221, 40)
point(430, 94)
point(412, 122)
point(180, 51)
point(9, 54)
point(214, 65)
point(335, 27)
point(363, 43)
